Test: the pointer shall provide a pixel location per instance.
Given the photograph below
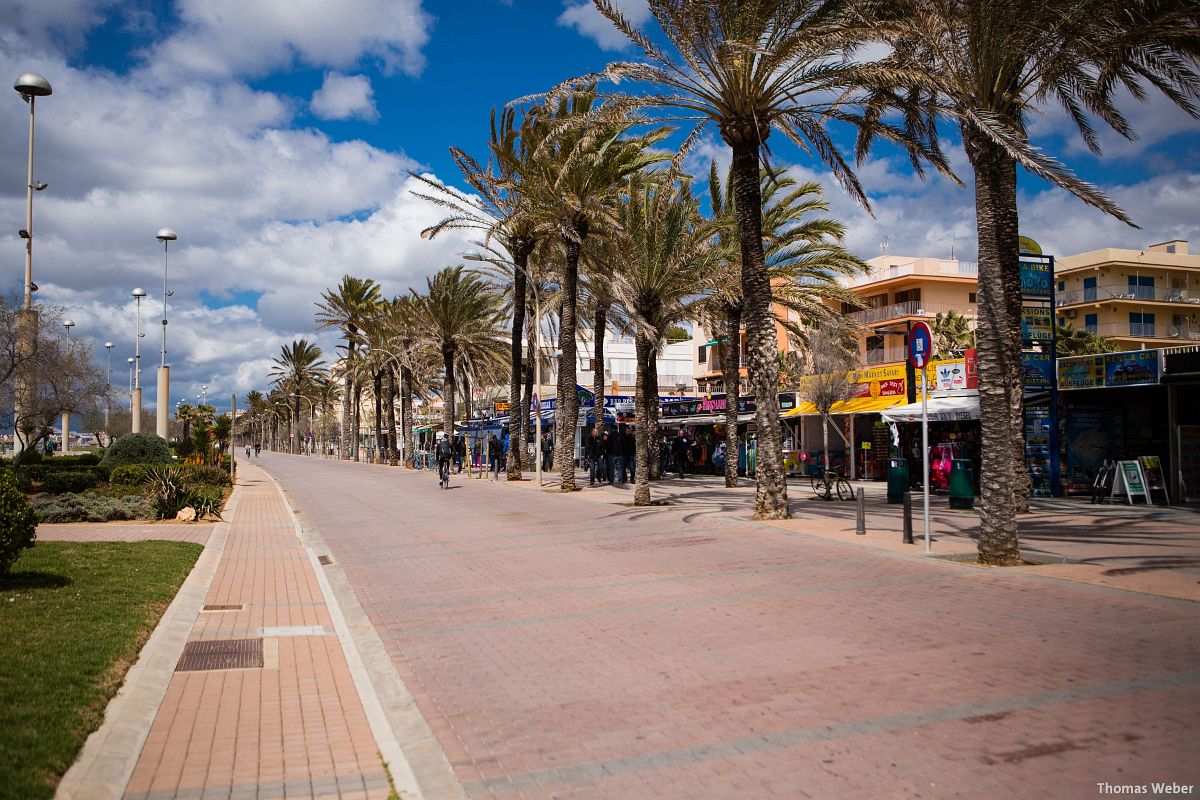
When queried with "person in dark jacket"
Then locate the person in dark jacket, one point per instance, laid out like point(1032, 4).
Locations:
point(494, 453)
point(547, 450)
point(594, 450)
point(680, 446)
point(629, 446)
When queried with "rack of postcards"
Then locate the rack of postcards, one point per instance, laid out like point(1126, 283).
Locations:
point(1039, 345)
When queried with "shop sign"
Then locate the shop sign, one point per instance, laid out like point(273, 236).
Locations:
point(1036, 279)
point(1037, 370)
point(1081, 372)
point(950, 376)
point(501, 406)
point(1036, 325)
point(878, 382)
point(1136, 368)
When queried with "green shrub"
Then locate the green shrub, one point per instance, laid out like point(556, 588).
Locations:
point(77, 460)
point(197, 474)
point(65, 481)
point(137, 448)
point(17, 524)
point(92, 507)
point(130, 474)
point(207, 501)
point(184, 448)
point(168, 490)
point(20, 477)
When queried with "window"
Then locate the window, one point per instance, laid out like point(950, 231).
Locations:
point(1062, 286)
point(973, 297)
point(702, 354)
point(876, 301)
point(908, 296)
point(1141, 324)
point(1141, 287)
point(1089, 289)
point(1090, 322)
point(1062, 321)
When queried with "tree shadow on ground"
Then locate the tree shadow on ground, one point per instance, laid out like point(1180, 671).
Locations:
point(32, 579)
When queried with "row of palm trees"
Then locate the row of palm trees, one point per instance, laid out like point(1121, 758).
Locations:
point(576, 204)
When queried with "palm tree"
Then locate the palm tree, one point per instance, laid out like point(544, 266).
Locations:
point(804, 256)
point(255, 404)
point(987, 64)
point(502, 211)
point(748, 68)
point(460, 314)
point(1079, 342)
point(952, 333)
point(665, 253)
point(572, 178)
point(346, 307)
point(297, 369)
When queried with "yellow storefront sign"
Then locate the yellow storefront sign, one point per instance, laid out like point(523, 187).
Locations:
point(874, 389)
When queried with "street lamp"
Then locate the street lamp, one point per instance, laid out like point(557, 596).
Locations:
point(130, 360)
point(203, 393)
point(66, 415)
point(136, 403)
point(166, 236)
point(30, 86)
point(108, 393)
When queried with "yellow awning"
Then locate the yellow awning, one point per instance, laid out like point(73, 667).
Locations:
point(855, 405)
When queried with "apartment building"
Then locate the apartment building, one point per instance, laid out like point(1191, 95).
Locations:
point(1134, 298)
point(898, 290)
point(674, 363)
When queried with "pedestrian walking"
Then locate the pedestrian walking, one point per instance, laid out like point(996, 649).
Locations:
point(247, 451)
point(616, 449)
point(594, 451)
point(629, 453)
point(547, 450)
point(495, 450)
point(679, 450)
point(257, 449)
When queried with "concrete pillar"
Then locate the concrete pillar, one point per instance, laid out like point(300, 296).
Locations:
point(164, 403)
point(66, 433)
point(136, 422)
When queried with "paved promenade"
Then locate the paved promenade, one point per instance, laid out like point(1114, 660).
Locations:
point(574, 646)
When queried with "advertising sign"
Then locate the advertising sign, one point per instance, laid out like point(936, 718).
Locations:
point(501, 406)
point(1081, 372)
point(1036, 324)
point(1137, 368)
point(1037, 370)
point(1036, 279)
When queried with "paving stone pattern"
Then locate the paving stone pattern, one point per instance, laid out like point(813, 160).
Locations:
point(563, 648)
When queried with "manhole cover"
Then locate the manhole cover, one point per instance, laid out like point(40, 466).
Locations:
point(221, 654)
point(326, 560)
point(219, 607)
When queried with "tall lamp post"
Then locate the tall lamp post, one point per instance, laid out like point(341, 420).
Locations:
point(30, 86)
point(166, 236)
point(108, 395)
point(129, 397)
point(66, 416)
point(136, 403)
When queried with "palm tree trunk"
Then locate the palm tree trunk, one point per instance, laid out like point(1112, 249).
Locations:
point(516, 438)
point(389, 414)
point(466, 395)
point(999, 359)
point(448, 388)
point(347, 401)
point(527, 396)
point(643, 433)
point(770, 496)
point(568, 399)
point(406, 418)
point(377, 386)
point(731, 372)
point(357, 418)
point(296, 425)
point(599, 324)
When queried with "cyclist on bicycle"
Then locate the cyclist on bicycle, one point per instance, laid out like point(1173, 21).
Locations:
point(444, 451)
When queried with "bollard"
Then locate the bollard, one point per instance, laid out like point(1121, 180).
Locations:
point(908, 518)
point(860, 526)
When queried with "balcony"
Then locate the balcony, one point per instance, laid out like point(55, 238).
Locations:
point(1145, 330)
point(1114, 291)
point(929, 267)
point(911, 308)
point(884, 355)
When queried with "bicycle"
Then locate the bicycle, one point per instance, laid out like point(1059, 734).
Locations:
point(444, 474)
point(824, 484)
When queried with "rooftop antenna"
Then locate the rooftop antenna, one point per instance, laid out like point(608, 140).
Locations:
point(883, 245)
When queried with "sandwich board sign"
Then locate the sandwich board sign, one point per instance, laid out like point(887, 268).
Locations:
point(1130, 481)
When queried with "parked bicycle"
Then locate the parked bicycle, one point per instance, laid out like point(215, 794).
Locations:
point(826, 483)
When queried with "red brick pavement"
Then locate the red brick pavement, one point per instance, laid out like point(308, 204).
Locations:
point(559, 646)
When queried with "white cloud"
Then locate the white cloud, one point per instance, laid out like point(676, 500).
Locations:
point(230, 37)
point(345, 97)
point(584, 18)
point(47, 23)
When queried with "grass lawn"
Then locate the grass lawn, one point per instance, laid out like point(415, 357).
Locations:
point(73, 617)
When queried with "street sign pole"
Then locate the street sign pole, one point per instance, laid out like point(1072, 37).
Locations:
point(920, 351)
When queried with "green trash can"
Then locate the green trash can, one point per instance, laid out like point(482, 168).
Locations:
point(962, 484)
point(897, 480)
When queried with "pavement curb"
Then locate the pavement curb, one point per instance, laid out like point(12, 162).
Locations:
point(410, 750)
point(111, 752)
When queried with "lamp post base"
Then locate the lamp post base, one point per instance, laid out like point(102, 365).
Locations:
point(136, 422)
point(164, 403)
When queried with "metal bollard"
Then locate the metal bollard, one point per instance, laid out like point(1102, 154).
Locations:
point(860, 526)
point(908, 539)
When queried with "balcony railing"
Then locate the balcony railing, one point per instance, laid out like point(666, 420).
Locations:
point(1114, 291)
point(910, 308)
point(1145, 330)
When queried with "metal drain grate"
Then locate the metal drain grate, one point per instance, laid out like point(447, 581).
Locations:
point(219, 607)
point(326, 560)
point(221, 654)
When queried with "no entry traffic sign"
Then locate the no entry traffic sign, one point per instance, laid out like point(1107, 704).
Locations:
point(920, 345)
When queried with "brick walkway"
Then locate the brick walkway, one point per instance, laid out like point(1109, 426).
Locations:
point(292, 728)
point(571, 646)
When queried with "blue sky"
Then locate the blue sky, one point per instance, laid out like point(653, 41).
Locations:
point(276, 136)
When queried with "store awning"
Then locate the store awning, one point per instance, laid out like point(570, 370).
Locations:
point(941, 409)
point(855, 405)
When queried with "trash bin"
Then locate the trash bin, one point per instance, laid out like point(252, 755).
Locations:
point(962, 484)
point(897, 482)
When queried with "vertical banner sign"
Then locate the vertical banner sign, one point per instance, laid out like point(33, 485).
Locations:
point(1037, 277)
